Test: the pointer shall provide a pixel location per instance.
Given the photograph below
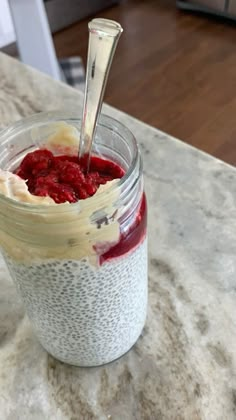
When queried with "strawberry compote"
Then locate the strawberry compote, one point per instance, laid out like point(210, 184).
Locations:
point(64, 178)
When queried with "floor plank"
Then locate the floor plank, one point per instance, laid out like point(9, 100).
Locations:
point(172, 69)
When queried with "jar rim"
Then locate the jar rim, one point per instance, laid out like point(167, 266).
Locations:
point(55, 116)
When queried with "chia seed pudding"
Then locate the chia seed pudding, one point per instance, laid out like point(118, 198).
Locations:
point(75, 242)
point(81, 315)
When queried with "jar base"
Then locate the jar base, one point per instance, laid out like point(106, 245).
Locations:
point(93, 365)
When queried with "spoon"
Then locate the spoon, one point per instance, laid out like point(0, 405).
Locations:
point(104, 35)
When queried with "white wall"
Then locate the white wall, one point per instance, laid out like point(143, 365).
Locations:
point(7, 34)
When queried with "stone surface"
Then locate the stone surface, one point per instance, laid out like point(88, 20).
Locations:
point(184, 365)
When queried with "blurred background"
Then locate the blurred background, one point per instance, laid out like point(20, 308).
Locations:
point(174, 67)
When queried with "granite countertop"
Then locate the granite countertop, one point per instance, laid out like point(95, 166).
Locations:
point(184, 365)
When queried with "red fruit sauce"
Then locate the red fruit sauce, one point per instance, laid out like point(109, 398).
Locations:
point(132, 238)
point(64, 179)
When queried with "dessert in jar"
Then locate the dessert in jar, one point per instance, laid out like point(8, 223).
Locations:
point(75, 243)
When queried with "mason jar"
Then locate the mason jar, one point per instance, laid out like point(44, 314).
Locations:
point(81, 268)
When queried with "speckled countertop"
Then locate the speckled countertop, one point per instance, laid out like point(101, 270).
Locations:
point(184, 365)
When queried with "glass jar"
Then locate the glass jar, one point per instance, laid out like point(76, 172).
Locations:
point(81, 268)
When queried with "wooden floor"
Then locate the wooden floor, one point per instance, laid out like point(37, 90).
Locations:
point(173, 70)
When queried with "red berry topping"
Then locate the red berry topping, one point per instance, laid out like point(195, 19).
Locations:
point(64, 178)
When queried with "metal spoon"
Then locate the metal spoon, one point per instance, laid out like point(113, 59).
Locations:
point(104, 35)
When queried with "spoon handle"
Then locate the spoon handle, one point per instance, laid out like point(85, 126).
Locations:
point(104, 35)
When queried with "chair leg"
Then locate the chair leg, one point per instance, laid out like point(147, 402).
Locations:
point(33, 36)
